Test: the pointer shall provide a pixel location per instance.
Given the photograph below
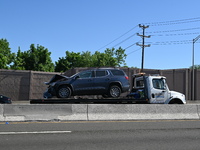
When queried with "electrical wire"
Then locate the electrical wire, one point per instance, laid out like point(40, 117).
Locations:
point(132, 45)
point(178, 30)
point(172, 42)
point(175, 23)
point(189, 20)
point(125, 40)
point(117, 38)
point(156, 33)
point(134, 51)
point(175, 34)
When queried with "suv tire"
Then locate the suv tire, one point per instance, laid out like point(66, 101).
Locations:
point(114, 91)
point(64, 92)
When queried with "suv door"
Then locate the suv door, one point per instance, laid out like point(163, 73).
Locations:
point(101, 81)
point(84, 83)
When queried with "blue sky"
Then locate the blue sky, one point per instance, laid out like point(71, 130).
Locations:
point(90, 25)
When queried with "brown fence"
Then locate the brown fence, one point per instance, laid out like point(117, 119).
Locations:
point(25, 85)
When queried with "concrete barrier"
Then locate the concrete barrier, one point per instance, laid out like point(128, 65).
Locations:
point(44, 112)
point(139, 112)
point(1, 113)
point(95, 112)
point(198, 109)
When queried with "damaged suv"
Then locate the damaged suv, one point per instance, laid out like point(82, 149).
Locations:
point(106, 82)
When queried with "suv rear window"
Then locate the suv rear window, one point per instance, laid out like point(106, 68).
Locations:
point(117, 72)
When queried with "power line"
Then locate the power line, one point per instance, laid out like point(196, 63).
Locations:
point(132, 45)
point(134, 51)
point(117, 38)
point(172, 42)
point(175, 21)
point(156, 33)
point(161, 43)
point(175, 34)
point(179, 30)
point(125, 40)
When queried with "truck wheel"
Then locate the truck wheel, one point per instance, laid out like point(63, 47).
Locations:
point(175, 101)
point(114, 91)
point(64, 92)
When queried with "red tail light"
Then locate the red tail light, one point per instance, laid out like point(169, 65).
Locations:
point(126, 77)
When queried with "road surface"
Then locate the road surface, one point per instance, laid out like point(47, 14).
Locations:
point(108, 135)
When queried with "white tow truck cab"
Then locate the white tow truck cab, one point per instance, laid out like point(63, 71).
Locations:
point(154, 89)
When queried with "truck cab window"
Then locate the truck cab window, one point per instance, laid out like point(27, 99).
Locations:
point(139, 83)
point(158, 84)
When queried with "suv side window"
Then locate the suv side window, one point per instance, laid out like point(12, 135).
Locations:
point(86, 74)
point(117, 72)
point(101, 73)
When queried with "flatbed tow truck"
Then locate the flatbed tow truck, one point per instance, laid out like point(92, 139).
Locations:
point(150, 89)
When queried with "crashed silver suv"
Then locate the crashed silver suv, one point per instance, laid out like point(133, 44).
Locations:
point(105, 82)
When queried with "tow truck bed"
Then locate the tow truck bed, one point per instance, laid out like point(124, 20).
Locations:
point(85, 100)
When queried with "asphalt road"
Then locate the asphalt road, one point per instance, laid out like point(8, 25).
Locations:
point(121, 135)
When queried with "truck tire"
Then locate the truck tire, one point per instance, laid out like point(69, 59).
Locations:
point(64, 92)
point(114, 91)
point(176, 101)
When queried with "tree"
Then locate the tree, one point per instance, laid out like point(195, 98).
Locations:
point(36, 58)
point(71, 60)
point(110, 58)
point(86, 59)
point(103, 60)
point(6, 57)
point(19, 61)
point(196, 67)
point(120, 56)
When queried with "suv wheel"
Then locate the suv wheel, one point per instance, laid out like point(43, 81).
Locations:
point(64, 92)
point(114, 91)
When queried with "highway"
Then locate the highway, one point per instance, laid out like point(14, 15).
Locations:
point(101, 135)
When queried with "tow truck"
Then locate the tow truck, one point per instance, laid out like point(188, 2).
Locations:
point(151, 89)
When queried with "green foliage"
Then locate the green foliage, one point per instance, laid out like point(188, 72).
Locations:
point(120, 56)
point(196, 67)
point(19, 61)
point(110, 58)
point(37, 59)
point(6, 57)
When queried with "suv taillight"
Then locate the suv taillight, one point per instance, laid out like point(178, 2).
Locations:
point(126, 77)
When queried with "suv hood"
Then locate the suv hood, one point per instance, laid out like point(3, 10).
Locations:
point(57, 78)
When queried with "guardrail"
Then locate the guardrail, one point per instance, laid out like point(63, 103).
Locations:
point(97, 112)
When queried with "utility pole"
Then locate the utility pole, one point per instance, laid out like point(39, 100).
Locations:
point(143, 36)
point(193, 82)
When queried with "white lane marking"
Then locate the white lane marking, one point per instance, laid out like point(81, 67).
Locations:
point(35, 132)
